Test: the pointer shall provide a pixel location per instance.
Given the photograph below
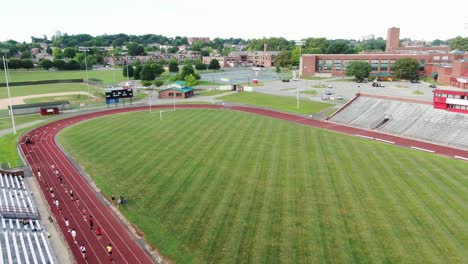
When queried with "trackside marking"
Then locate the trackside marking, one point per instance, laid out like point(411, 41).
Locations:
point(357, 135)
point(422, 149)
point(460, 157)
point(386, 141)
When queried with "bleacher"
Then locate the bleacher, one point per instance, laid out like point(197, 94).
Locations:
point(412, 120)
point(21, 243)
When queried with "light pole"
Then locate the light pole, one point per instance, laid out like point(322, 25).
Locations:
point(113, 61)
point(5, 68)
point(299, 43)
point(85, 49)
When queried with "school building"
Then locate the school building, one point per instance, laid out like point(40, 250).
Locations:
point(448, 67)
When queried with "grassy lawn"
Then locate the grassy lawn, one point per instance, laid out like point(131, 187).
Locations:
point(49, 88)
point(241, 188)
point(106, 76)
point(282, 103)
point(319, 86)
point(418, 92)
point(311, 92)
point(212, 92)
point(5, 122)
point(208, 83)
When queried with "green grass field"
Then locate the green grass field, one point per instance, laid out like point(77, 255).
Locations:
point(5, 122)
point(282, 103)
point(215, 186)
point(212, 92)
point(106, 76)
point(49, 88)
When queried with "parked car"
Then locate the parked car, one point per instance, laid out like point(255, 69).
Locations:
point(285, 80)
point(324, 98)
point(432, 85)
point(330, 86)
point(414, 81)
point(339, 97)
point(328, 93)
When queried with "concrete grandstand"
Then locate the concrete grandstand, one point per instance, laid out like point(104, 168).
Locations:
point(408, 118)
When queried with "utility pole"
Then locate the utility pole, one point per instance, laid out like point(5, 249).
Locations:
point(85, 49)
point(5, 68)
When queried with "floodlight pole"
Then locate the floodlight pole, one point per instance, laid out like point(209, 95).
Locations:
point(86, 69)
point(9, 97)
point(299, 43)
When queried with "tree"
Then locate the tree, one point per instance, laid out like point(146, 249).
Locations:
point(128, 69)
point(191, 80)
point(158, 69)
point(187, 70)
point(200, 66)
point(158, 83)
point(405, 68)
point(147, 73)
point(57, 53)
point(49, 50)
point(173, 65)
point(27, 64)
point(69, 53)
point(284, 59)
point(296, 56)
point(59, 64)
point(147, 84)
point(135, 49)
point(136, 74)
point(14, 63)
point(214, 65)
point(359, 69)
point(458, 43)
point(46, 64)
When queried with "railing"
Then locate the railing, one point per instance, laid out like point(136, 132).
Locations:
point(19, 212)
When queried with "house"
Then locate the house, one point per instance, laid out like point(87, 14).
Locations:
point(178, 90)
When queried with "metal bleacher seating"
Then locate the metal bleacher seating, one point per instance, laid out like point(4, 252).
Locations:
point(21, 243)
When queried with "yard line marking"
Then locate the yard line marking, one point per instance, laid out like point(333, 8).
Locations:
point(363, 136)
point(460, 157)
point(386, 141)
point(422, 149)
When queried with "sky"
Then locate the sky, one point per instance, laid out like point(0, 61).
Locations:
point(247, 19)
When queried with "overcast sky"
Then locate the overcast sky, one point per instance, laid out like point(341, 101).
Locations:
point(247, 19)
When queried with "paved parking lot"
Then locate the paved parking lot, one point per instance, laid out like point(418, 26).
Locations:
point(347, 89)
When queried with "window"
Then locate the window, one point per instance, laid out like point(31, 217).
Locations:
point(436, 58)
point(179, 94)
point(346, 64)
point(337, 65)
point(171, 94)
point(422, 63)
point(444, 57)
point(320, 65)
point(327, 65)
point(384, 65)
point(375, 65)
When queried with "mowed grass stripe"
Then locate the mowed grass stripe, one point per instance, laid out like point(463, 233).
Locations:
point(353, 210)
point(228, 187)
point(411, 215)
point(372, 189)
point(225, 207)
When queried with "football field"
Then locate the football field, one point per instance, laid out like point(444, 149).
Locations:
point(217, 186)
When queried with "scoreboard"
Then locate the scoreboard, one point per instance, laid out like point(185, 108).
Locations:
point(115, 93)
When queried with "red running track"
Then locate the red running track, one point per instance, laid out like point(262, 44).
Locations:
point(44, 152)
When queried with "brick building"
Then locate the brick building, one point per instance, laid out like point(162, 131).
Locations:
point(435, 62)
point(191, 40)
point(179, 89)
point(263, 58)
